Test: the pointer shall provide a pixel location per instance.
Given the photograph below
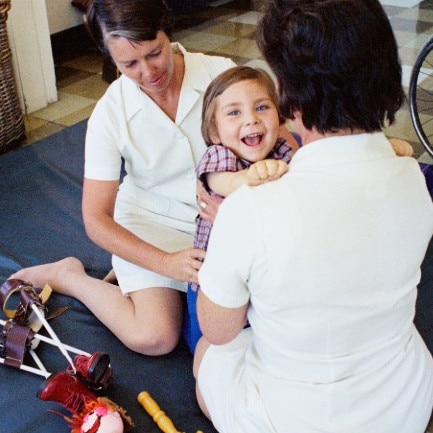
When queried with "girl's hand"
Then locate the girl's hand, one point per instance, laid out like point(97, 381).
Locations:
point(207, 204)
point(183, 265)
point(265, 171)
point(401, 147)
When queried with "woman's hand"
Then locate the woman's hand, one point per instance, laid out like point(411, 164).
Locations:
point(207, 204)
point(98, 206)
point(183, 265)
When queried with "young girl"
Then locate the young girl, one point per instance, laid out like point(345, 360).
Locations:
point(243, 129)
point(241, 126)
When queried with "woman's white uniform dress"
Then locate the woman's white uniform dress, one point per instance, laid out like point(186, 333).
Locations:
point(157, 198)
point(329, 257)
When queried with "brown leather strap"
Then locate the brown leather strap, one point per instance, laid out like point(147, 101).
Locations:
point(7, 289)
point(16, 340)
point(10, 287)
point(28, 297)
point(22, 314)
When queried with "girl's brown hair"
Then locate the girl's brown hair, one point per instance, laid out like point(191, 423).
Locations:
point(221, 83)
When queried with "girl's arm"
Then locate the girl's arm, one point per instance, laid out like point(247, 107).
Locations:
point(98, 210)
point(224, 183)
point(288, 136)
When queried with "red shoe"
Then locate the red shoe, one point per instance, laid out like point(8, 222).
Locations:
point(67, 390)
point(95, 370)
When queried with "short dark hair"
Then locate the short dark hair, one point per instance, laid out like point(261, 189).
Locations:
point(221, 83)
point(336, 61)
point(135, 20)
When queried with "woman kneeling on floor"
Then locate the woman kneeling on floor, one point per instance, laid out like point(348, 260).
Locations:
point(324, 262)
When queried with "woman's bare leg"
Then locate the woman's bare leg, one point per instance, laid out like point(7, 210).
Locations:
point(148, 321)
point(111, 277)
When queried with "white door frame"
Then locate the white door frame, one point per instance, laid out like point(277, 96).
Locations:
point(32, 57)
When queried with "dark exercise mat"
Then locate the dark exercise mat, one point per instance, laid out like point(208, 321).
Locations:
point(40, 222)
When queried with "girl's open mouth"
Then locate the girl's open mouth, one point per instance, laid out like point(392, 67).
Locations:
point(253, 139)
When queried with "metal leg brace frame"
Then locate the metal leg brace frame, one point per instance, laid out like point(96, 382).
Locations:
point(19, 334)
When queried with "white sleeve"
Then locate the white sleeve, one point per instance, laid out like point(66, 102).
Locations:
point(216, 64)
point(225, 272)
point(102, 156)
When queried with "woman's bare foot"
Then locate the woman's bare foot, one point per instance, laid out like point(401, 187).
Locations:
point(56, 274)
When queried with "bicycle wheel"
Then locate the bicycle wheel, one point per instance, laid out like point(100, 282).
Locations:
point(421, 96)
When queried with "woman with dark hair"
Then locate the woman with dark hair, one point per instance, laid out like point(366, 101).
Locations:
point(324, 262)
point(150, 119)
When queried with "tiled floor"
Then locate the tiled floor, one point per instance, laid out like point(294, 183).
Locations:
point(226, 30)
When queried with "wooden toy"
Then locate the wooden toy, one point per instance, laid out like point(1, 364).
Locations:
point(158, 415)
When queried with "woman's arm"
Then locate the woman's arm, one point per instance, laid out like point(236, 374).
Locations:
point(98, 209)
point(219, 324)
point(288, 136)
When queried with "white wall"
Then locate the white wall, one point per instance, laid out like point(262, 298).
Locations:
point(62, 15)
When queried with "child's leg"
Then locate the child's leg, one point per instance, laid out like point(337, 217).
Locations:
point(191, 328)
point(148, 321)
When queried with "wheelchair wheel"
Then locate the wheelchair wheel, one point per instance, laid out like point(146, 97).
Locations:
point(421, 96)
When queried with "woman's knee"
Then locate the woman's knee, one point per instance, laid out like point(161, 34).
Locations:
point(157, 323)
point(154, 341)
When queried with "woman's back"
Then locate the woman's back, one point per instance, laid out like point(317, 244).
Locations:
point(336, 247)
point(346, 233)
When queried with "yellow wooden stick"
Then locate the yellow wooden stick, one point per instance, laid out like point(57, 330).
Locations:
point(158, 415)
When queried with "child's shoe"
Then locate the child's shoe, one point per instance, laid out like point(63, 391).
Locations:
point(95, 370)
point(67, 390)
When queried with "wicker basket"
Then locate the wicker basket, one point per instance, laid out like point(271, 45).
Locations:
point(12, 131)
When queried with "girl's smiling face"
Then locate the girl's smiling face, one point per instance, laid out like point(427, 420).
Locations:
point(246, 120)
